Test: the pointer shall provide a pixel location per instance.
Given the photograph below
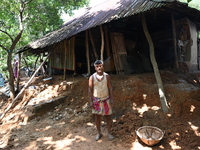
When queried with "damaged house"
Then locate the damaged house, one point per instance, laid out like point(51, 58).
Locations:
point(113, 32)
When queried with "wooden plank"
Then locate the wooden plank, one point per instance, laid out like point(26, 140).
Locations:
point(114, 54)
point(119, 49)
point(93, 46)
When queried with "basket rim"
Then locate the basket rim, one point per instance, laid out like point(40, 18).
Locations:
point(137, 132)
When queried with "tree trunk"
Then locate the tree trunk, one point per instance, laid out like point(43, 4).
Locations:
point(26, 85)
point(18, 72)
point(9, 63)
point(163, 100)
point(11, 76)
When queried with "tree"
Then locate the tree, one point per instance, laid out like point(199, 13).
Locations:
point(22, 21)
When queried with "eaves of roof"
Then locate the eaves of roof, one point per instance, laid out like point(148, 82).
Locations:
point(95, 16)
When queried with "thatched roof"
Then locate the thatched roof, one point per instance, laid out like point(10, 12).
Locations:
point(104, 13)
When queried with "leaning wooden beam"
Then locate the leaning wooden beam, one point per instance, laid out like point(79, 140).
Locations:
point(102, 42)
point(161, 92)
point(27, 84)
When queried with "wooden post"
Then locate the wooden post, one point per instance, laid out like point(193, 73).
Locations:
point(36, 63)
point(65, 61)
point(26, 65)
point(102, 42)
point(93, 46)
point(107, 41)
point(175, 43)
point(87, 51)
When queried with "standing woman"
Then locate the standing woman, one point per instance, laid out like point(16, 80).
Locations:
point(15, 68)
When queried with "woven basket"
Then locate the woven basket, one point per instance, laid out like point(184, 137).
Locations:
point(150, 135)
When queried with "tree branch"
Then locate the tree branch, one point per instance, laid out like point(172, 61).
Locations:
point(16, 40)
point(25, 3)
point(3, 47)
point(7, 34)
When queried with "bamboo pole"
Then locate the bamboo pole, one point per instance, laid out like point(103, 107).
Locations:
point(87, 51)
point(26, 85)
point(102, 42)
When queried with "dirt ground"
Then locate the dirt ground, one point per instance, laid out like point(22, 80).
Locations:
point(70, 125)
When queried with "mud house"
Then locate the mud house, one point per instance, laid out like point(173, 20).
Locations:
point(113, 31)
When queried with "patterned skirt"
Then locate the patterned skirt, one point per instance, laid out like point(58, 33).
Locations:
point(102, 106)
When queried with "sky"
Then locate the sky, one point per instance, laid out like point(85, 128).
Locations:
point(65, 17)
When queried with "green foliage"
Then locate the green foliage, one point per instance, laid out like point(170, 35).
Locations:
point(198, 34)
point(3, 63)
point(194, 4)
point(39, 18)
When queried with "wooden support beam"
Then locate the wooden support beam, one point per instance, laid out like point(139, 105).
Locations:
point(175, 42)
point(102, 42)
point(65, 61)
point(87, 51)
point(107, 45)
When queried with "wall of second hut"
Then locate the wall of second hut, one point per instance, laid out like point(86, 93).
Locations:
point(193, 43)
point(187, 43)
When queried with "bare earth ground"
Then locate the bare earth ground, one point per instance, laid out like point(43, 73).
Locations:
point(70, 125)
